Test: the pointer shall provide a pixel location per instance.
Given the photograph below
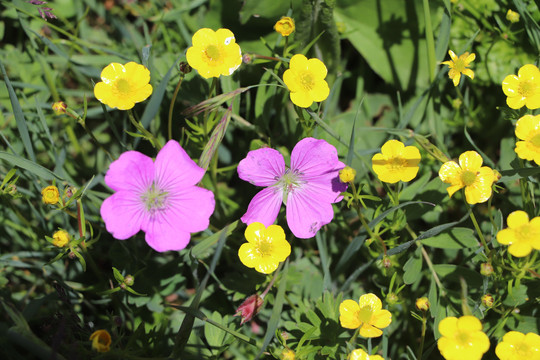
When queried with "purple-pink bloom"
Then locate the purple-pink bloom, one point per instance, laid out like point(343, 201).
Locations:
point(158, 197)
point(307, 188)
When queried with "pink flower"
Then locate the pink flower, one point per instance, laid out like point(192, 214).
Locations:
point(308, 188)
point(249, 308)
point(158, 197)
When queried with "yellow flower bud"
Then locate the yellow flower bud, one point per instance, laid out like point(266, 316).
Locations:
point(50, 195)
point(59, 107)
point(512, 16)
point(487, 300)
point(347, 174)
point(60, 238)
point(288, 354)
point(101, 340)
point(422, 304)
point(285, 26)
point(486, 269)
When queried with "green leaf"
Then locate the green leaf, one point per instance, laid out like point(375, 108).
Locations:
point(452, 273)
point(31, 166)
point(456, 238)
point(198, 250)
point(215, 139)
point(413, 269)
point(117, 275)
point(515, 174)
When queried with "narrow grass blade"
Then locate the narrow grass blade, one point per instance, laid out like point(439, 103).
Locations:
point(31, 166)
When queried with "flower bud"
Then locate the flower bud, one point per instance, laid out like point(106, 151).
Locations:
point(184, 67)
point(497, 175)
point(285, 26)
point(50, 195)
point(487, 300)
point(512, 16)
point(422, 304)
point(101, 340)
point(347, 174)
point(129, 280)
point(486, 269)
point(392, 298)
point(386, 262)
point(247, 58)
point(60, 238)
point(288, 354)
point(249, 308)
point(456, 103)
point(59, 107)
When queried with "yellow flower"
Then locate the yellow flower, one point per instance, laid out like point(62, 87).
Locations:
point(462, 338)
point(366, 314)
point(360, 354)
point(512, 16)
point(518, 346)
point(123, 85)
point(347, 174)
point(101, 340)
point(265, 249)
point(459, 65)
point(284, 26)
point(214, 53)
point(396, 162)
point(59, 107)
point(305, 80)
point(522, 235)
point(50, 195)
point(469, 174)
point(422, 304)
point(528, 130)
point(523, 89)
point(288, 354)
point(60, 238)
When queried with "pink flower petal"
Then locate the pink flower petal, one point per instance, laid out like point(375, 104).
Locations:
point(264, 207)
point(124, 214)
point(162, 234)
point(314, 157)
point(132, 171)
point(262, 167)
point(190, 209)
point(306, 214)
point(175, 169)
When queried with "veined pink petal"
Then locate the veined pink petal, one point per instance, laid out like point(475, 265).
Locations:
point(306, 214)
point(190, 209)
point(162, 234)
point(175, 169)
point(124, 214)
point(313, 157)
point(262, 167)
point(132, 171)
point(264, 207)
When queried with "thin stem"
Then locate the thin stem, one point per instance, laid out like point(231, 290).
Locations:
point(356, 204)
point(147, 134)
point(171, 107)
point(422, 339)
point(477, 227)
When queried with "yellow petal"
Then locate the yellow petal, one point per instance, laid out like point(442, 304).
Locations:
point(320, 91)
point(448, 326)
point(528, 72)
point(470, 58)
point(225, 37)
point(450, 172)
point(453, 55)
point(470, 160)
point(248, 255)
point(456, 78)
point(317, 68)
point(370, 331)
point(298, 62)
point(370, 300)
point(348, 314)
point(137, 73)
point(301, 99)
point(392, 148)
point(381, 319)
point(254, 231)
point(520, 249)
point(517, 219)
point(266, 265)
point(469, 73)
point(510, 85)
point(515, 102)
point(204, 37)
point(469, 323)
point(506, 236)
point(452, 189)
point(526, 126)
point(111, 72)
point(533, 102)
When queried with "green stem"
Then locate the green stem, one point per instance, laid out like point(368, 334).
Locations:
point(421, 348)
point(171, 107)
point(356, 204)
point(147, 134)
point(478, 230)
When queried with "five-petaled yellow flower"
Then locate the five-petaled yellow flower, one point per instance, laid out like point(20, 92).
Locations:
point(285, 26)
point(214, 53)
point(518, 346)
point(459, 65)
point(469, 174)
point(305, 80)
point(265, 249)
point(122, 86)
point(522, 235)
point(523, 89)
point(366, 314)
point(462, 338)
point(101, 340)
point(360, 354)
point(396, 162)
point(528, 130)
point(512, 16)
point(50, 195)
point(60, 238)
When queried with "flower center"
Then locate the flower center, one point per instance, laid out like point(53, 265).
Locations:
point(535, 140)
point(123, 86)
point(526, 88)
point(265, 246)
point(365, 314)
point(397, 163)
point(154, 199)
point(468, 177)
point(288, 182)
point(463, 338)
point(212, 53)
point(460, 65)
point(525, 233)
point(307, 81)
